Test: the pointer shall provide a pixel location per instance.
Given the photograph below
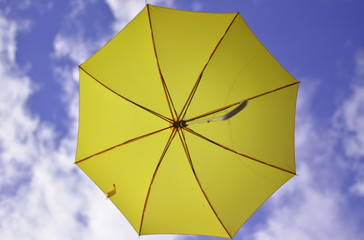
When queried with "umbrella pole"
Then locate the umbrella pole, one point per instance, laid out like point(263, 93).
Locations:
point(230, 114)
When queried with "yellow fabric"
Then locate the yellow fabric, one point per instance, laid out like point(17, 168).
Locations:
point(204, 179)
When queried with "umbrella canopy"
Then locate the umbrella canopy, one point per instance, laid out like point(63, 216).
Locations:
point(146, 100)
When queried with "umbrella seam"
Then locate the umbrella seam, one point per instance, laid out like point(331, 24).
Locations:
point(184, 144)
point(241, 154)
point(136, 104)
point(166, 91)
point(190, 97)
point(121, 144)
point(154, 175)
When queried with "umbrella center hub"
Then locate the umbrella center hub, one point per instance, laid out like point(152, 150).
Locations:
point(179, 124)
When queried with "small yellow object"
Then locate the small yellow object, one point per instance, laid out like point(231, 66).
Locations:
point(112, 192)
point(139, 96)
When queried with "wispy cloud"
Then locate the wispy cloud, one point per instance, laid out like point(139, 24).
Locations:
point(349, 120)
point(197, 6)
point(16, 124)
point(125, 10)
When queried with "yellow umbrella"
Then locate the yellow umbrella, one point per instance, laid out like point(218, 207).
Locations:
point(162, 128)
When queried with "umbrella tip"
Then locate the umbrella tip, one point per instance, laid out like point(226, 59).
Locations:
point(111, 193)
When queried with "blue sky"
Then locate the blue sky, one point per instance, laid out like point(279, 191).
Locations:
point(43, 195)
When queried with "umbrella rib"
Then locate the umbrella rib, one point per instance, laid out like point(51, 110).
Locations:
point(236, 103)
point(136, 104)
point(189, 99)
point(274, 90)
point(241, 154)
point(121, 144)
point(154, 175)
point(184, 143)
point(166, 92)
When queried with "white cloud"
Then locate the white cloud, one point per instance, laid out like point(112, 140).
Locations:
point(359, 63)
point(7, 38)
point(352, 113)
point(43, 194)
point(40, 5)
point(307, 210)
point(126, 10)
point(197, 6)
point(74, 47)
point(36, 177)
point(315, 216)
point(304, 122)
